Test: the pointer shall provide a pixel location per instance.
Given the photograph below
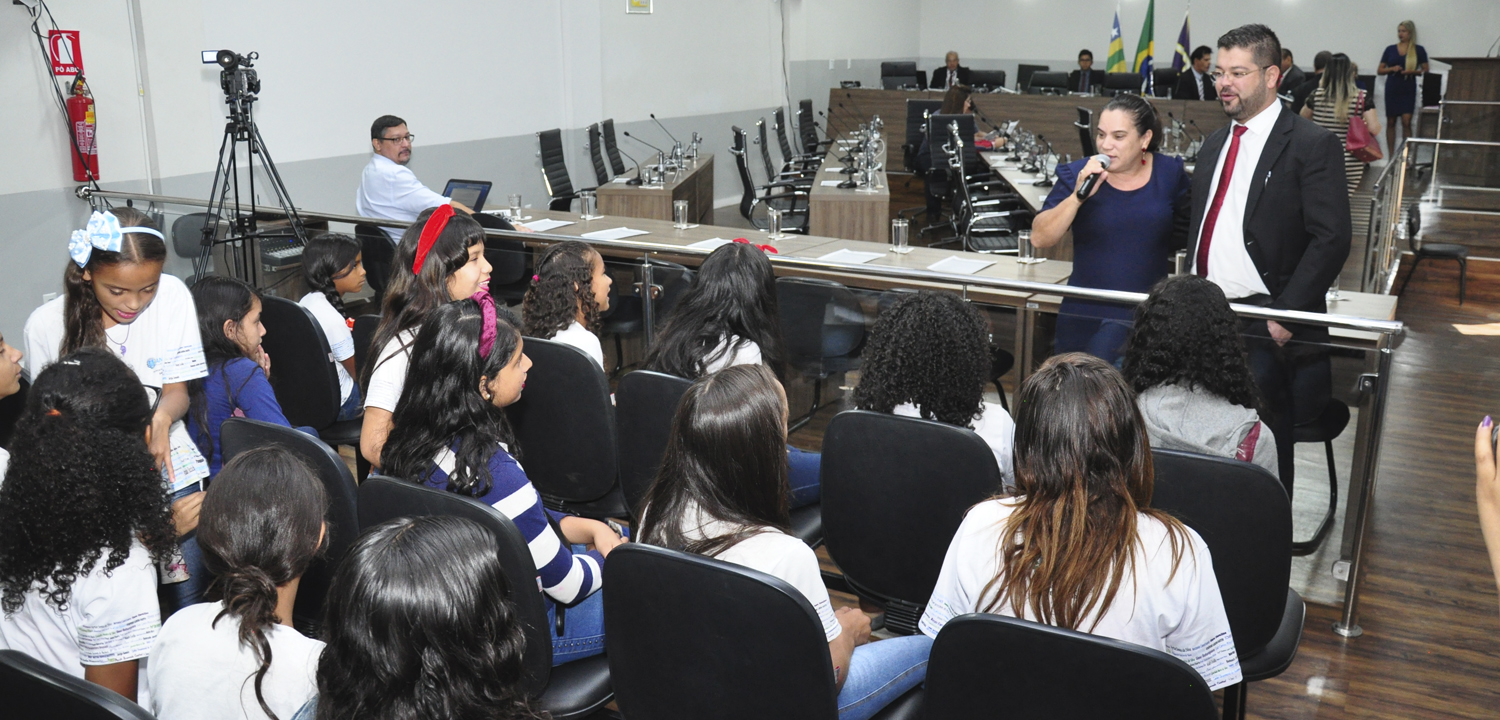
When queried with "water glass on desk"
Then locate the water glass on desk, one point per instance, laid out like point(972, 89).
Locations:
point(1025, 252)
point(680, 214)
point(515, 208)
point(773, 224)
point(899, 236)
point(588, 202)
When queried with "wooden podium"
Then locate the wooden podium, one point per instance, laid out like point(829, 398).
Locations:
point(1472, 80)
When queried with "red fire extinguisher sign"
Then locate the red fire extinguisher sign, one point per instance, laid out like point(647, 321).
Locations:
point(67, 58)
point(81, 119)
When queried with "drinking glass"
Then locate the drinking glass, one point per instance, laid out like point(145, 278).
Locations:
point(773, 224)
point(680, 214)
point(900, 230)
point(515, 207)
point(1025, 253)
point(589, 203)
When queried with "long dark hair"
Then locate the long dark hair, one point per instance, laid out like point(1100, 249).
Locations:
point(440, 401)
point(326, 258)
point(953, 100)
point(1142, 115)
point(726, 459)
point(418, 626)
point(409, 297)
point(1186, 334)
point(733, 294)
point(84, 426)
point(260, 526)
point(930, 349)
point(84, 316)
point(563, 285)
point(217, 300)
point(1083, 472)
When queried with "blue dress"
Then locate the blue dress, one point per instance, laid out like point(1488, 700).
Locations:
point(1122, 240)
point(1401, 90)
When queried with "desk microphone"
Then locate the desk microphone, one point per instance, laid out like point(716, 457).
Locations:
point(1089, 182)
point(848, 157)
point(1201, 137)
point(664, 129)
point(986, 120)
point(857, 111)
point(643, 142)
point(637, 179)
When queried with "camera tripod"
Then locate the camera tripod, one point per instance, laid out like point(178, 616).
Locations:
point(240, 85)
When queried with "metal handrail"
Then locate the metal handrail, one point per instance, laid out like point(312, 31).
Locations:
point(1383, 327)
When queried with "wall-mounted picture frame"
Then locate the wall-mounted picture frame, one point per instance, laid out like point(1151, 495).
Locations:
point(637, 7)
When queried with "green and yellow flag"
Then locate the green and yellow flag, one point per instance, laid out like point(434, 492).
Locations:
point(1146, 49)
point(1116, 61)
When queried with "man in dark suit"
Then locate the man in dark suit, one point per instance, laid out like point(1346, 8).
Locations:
point(1194, 82)
point(1291, 75)
point(950, 74)
point(1085, 78)
point(1271, 226)
point(1304, 91)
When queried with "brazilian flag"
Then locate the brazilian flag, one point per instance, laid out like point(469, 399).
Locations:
point(1146, 48)
point(1116, 61)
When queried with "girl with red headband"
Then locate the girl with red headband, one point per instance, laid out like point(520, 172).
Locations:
point(439, 259)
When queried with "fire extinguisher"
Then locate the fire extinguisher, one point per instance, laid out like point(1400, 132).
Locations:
point(81, 118)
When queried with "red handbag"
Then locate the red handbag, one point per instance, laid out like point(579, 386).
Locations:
point(1359, 142)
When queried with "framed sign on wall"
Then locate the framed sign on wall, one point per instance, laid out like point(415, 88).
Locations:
point(637, 7)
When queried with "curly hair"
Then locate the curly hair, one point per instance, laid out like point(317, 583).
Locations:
point(930, 349)
point(1185, 334)
point(81, 483)
point(563, 286)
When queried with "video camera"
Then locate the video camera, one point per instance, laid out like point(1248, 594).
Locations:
point(238, 78)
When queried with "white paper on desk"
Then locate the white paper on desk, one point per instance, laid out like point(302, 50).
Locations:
point(962, 266)
point(851, 256)
point(544, 225)
point(831, 183)
point(833, 169)
point(619, 233)
point(621, 179)
point(711, 244)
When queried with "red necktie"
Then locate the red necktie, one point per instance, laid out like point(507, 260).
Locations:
point(1207, 236)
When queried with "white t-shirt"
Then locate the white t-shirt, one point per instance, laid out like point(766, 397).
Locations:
point(579, 336)
point(4, 462)
point(389, 375)
point(997, 429)
point(336, 329)
point(162, 347)
point(731, 352)
point(110, 619)
point(777, 554)
point(200, 671)
point(1184, 616)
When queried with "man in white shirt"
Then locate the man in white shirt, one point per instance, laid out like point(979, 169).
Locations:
point(388, 189)
point(1272, 227)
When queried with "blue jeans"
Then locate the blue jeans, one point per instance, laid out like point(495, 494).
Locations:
point(176, 596)
point(882, 671)
point(353, 407)
point(802, 475)
point(583, 627)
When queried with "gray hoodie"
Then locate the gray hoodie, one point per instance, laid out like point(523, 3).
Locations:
point(1195, 420)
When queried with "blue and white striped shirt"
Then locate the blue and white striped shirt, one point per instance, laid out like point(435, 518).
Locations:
point(566, 577)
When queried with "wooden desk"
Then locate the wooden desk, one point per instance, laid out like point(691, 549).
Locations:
point(1361, 305)
point(695, 185)
point(848, 213)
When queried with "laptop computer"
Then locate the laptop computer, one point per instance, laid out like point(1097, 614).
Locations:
point(471, 193)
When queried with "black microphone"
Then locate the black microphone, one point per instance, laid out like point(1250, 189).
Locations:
point(1087, 186)
point(848, 157)
point(986, 120)
point(857, 111)
point(664, 129)
point(1201, 136)
point(637, 179)
point(626, 133)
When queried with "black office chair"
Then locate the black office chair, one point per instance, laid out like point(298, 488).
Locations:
point(1122, 82)
point(240, 434)
point(1432, 89)
point(596, 152)
point(986, 79)
point(571, 690)
point(1046, 82)
point(983, 663)
point(1024, 73)
point(11, 408)
point(303, 374)
point(807, 128)
point(823, 328)
point(1162, 82)
point(565, 427)
point(901, 76)
point(364, 334)
point(1433, 251)
point(692, 637)
point(378, 253)
point(611, 148)
point(789, 158)
point(34, 690)
point(917, 111)
point(1323, 429)
point(784, 196)
point(626, 314)
point(187, 236)
point(798, 177)
point(895, 490)
point(510, 268)
point(1085, 127)
point(1242, 513)
point(645, 402)
point(555, 170)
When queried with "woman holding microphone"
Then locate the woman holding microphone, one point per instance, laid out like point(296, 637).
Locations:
point(1128, 210)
